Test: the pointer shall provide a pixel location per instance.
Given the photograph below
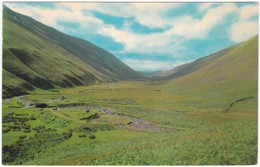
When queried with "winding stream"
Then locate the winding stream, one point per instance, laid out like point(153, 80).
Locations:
point(135, 122)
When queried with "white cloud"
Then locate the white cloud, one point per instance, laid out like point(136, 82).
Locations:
point(204, 6)
point(143, 43)
point(149, 65)
point(245, 28)
point(153, 15)
point(50, 17)
point(248, 11)
point(242, 31)
point(189, 27)
point(170, 41)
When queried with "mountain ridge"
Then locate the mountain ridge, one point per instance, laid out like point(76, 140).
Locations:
point(46, 58)
point(190, 67)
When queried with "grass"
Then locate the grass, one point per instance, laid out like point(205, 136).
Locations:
point(209, 135)
point(195, 104)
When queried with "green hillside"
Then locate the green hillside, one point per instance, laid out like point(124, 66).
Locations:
point(238, 63)
point(45, 58)
point(185, 69)
point(205, 113)
point(211, 113)
point(228, 78)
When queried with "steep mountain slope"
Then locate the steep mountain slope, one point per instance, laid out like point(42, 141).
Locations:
point(43, 57)
point(230, 77)
point(185, 69)
point(239, 63)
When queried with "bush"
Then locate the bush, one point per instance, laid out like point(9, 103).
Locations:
point(14, 127)
point(6, 130)
point(67, 135)
point(27, 149)
point(37, 128)
point(92, 137)
point(84, 129)
point(105, 127)
point(27, 131)
point(33, 118)
point(41, 105)
point(27, 126)
point(22, 137)
point(82, 136)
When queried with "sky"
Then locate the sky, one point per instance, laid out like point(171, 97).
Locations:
point(150, 36)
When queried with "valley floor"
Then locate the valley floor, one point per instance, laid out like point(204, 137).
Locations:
point(133, 123)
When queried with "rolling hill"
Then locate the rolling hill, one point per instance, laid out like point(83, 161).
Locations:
point(38, 56)
point(236, 63)
point(187, 68)
point(230, 77)
point(214, 108)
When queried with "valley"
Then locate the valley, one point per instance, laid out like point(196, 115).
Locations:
point(67, 101)
point(199, 122)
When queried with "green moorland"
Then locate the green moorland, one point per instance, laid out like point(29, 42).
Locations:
point(212, 113)
point(30, 48)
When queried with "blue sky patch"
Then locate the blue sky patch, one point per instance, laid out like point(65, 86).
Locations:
point(52, 6)
point(141, 29)
point(116, 21)
point(68, 24)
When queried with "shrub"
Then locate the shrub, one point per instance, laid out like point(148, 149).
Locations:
point(27, 126)
point(105, 127)
point(41, 105)
point(6, 130)
point(37, 128)
point(82, 136)
point(22, 137)
point(92, 137)
point(67, 135)
point(27, 131)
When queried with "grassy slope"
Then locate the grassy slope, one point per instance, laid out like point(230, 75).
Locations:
point(185, 69)
point(46, 58)
point(195, 103)
point(238, 67)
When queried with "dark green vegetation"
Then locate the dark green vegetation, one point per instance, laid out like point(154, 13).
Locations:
point(207, 116)
point(38, 56)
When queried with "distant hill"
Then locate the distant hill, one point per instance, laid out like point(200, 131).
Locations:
point(236, 63)
point(229, 78)
point(234, 70)
point(148, 73)
point(38, 56)
point(187, 68)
